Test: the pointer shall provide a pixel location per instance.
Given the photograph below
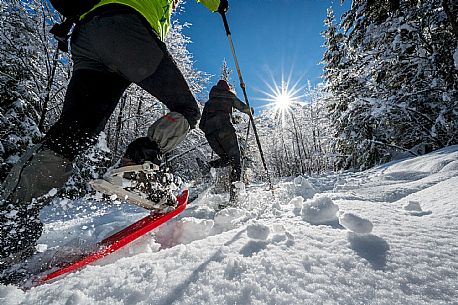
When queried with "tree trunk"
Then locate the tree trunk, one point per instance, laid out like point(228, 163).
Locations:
point(49, 84)
point(139, 112)
point(119, 124)
point(298, 145)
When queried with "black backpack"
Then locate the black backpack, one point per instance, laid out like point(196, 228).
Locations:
point(71, 10)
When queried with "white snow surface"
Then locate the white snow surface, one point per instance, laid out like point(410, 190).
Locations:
point(270, 250)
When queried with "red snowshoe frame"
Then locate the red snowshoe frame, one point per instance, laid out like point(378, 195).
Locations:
point(117, 240)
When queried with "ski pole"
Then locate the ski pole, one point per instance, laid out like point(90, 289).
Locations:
point(242, 85)
point(245, 148)
point(187, 151)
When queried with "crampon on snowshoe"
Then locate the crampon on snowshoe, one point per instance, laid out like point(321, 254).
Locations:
point(145, 185)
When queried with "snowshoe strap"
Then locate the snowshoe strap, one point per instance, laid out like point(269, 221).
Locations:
point(147, 166)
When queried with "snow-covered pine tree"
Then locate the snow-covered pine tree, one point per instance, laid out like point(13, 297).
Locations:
point(31, 77)
point(225, 73)
point(396, 89)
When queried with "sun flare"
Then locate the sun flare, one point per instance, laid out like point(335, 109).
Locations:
point(282, 96)
point(283, 100)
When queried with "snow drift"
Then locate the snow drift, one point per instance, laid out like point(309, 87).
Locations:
point(383, 236)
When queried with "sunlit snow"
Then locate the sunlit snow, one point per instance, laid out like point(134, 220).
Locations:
point(384, 236)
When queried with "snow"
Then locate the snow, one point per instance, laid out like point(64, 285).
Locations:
point(355, 223)
point(383, 236)
point(320, 210)
point(258, 231)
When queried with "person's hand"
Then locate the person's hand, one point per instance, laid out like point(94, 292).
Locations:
point(249, 110)
point(175, 3)
point(223, 6)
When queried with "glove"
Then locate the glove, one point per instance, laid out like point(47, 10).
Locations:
point(223, 6)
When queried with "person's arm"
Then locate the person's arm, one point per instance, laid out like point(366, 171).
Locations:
point(239, 105)
point(215, 5)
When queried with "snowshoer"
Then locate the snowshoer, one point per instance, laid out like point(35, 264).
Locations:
point(219, 131)
point(114, 44)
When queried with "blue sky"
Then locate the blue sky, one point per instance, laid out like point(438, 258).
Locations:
point(271, 38)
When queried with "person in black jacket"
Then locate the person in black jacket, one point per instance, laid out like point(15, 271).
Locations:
point(218, 129)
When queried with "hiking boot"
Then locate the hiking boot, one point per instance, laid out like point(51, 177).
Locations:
point(144, 185)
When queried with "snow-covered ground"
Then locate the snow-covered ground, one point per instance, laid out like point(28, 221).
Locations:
point(384, 236)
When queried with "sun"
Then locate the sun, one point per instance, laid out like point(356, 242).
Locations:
point(282, 96)
point(283, 100)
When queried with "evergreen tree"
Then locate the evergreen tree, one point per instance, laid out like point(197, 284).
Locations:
point(395, 90)
point(31, 78)
point(225, 73)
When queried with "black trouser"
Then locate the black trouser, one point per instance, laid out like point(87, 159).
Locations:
point(91, 98)
point(111, 50)
point(224, 143)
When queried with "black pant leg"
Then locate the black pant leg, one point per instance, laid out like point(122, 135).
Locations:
point(225, 144)
point(228, 140)
point(91, 98)
point(214, 142)
point(169, 86)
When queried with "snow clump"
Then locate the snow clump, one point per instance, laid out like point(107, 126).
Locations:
point(258, 231)
point(303, 188)
point(52, 193)
point(319, 210)
point(297, 203)
point(413, 206)
point(355, 223)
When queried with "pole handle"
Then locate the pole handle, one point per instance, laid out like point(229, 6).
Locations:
point(226, 24)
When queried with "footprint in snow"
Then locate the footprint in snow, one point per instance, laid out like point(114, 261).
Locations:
point(258, 234)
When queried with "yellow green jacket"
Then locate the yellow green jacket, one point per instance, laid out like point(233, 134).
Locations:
point(156, 12)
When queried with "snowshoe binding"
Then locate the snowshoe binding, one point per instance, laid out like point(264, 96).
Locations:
point(145, 185)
